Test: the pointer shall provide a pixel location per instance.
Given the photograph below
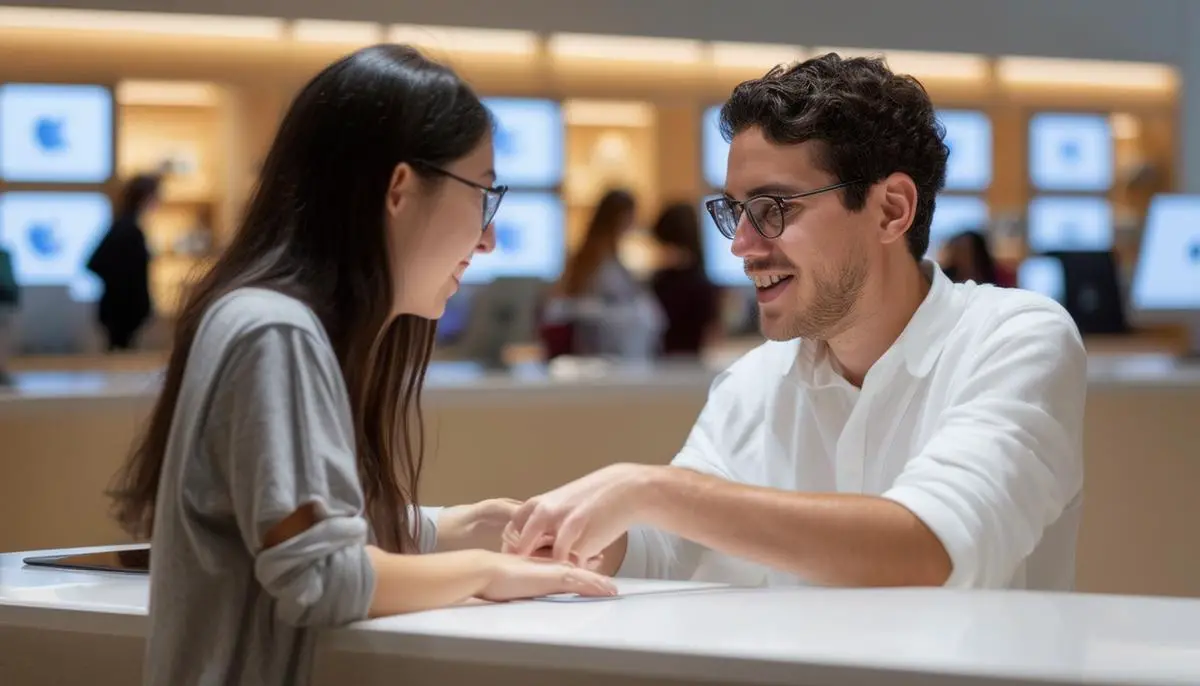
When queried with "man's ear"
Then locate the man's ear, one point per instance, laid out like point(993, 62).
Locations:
point(898, 203)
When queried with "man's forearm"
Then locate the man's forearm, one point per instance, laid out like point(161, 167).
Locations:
point(834, 539)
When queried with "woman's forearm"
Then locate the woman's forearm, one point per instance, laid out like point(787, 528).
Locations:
point(412, 583)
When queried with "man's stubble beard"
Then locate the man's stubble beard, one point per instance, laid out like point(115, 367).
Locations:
point(832, 308)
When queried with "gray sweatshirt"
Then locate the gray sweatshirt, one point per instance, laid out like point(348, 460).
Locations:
point(262, 427)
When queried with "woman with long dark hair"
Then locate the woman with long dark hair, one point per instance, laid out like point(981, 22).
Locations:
point(609, 313)
point(278, 477)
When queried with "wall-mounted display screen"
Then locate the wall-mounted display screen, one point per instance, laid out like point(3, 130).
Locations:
point(714, 151)
point(528, 138)
point(530, 240)
point(955, 214)
point(969, 137)
point(51, 236)
point(1168, 270)
point(721, 265)
point(1070, 152)
point(1045, 275)
point(56, 133)
point(1069, 223)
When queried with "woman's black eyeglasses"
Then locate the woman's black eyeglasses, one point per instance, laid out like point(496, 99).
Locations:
point(491, 196)
point(766, 212)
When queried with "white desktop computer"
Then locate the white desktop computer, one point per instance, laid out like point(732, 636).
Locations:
point(1166, 283)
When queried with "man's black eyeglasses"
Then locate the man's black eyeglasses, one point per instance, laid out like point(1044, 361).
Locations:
point(491, 196)
point(766, 212)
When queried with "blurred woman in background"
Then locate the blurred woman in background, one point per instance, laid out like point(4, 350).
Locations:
point(122, 262)
point(278, 478)
point(606, 310)
point(966, 257)
point(689, 300)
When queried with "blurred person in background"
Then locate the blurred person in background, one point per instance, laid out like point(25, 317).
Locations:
point(278, 477)
point(122, 262)
point(689, 300)
point(967, 257)
point(10, 299)
point(896, 429)
point(598, 303)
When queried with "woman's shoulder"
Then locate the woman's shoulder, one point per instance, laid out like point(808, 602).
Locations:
point(245, 312)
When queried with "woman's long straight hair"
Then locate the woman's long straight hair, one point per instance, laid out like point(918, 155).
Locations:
point(612, 216)
point(314, 230)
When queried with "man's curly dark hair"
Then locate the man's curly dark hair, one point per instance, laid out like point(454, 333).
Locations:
point(869, 121)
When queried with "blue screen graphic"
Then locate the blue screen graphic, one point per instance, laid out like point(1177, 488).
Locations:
point(1069, 223)
point(530, 240)
point(51, 236)
point(56, 133)
point(714, 151)
point(953, 215)
point(528, 139)
point(1168, 270)
point(1070, 152)
point(1045, 275)
point(969, 138)
point(721, 265)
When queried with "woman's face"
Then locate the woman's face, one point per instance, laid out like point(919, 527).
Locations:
point(435, 227)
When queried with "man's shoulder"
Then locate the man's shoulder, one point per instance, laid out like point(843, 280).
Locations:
point(994, 311)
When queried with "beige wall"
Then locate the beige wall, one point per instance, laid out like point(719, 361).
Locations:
point(1142, 451)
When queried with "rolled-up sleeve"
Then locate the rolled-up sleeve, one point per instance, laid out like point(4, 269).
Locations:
point(280, 432)
point(1006, 460)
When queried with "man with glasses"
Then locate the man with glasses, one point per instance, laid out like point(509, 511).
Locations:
point(896, 428)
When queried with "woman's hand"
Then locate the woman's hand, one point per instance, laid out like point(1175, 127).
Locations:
point(514, 578)
point(477, 526)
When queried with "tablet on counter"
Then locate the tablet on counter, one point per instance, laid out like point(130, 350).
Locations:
point(134, 560)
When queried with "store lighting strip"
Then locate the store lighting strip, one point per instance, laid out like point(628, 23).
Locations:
point(1040, 71)
point(753, 55)
point(583, 46)
point(580, 112)
point(158, 23)
point(167, 93)
point(935, 66)
point(336, 32)
point(466, 40)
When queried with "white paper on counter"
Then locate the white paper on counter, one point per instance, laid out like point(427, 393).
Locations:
point(635, 587)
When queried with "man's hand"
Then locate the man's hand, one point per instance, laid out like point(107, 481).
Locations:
point(475, 526)
point(581, 519)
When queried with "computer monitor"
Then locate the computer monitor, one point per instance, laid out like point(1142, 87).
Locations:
point(714, 151)
point(953, 215)
point(721, 265)
point(51, 236)
point(502, 313)
point(1070, 152)
point(1063, 223)
point(530, 240)
point(1166, 281)
point(528, 139)
point(56, 133)
point(969, 138)
point(1085, 283)
point(1045, 275)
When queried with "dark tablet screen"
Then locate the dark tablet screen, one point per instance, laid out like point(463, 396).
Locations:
point(130, 560)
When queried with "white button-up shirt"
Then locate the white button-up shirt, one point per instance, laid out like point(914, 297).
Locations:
point(973, 420)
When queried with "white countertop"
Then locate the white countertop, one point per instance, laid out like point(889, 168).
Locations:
point(761, 636)
point(450, 380)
